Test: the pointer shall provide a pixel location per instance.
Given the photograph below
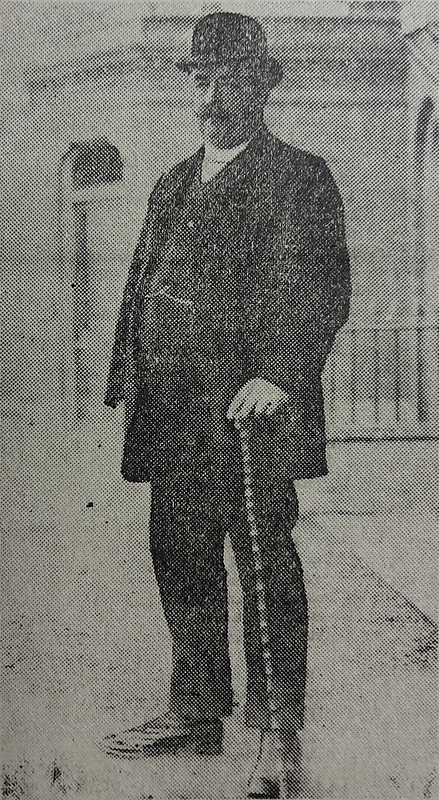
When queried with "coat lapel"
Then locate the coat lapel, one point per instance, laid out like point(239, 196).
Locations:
point(178, 183)
point(236, 185)
point(237, 181)
point(163, 213)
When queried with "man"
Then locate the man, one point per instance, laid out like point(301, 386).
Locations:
point(238, 286)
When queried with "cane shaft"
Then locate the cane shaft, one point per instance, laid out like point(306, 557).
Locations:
point(258, 569)
point(261, 595)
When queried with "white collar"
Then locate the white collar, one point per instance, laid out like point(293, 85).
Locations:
point(221, 155)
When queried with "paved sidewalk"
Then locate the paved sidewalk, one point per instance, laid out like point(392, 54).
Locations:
point(87, 650)
point(381, 501)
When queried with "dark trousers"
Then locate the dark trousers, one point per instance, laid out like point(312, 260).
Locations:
point(198, 498)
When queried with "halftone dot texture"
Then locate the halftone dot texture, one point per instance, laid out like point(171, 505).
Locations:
point(96, 113)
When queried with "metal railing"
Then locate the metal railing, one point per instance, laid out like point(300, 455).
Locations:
point(379, 382)
point(382, 381)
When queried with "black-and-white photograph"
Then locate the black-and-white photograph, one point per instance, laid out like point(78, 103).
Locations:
point(220, 399)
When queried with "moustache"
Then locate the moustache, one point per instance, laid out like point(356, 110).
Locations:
point(206, 115)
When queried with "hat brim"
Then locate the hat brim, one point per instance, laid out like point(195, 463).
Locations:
point(269, 67)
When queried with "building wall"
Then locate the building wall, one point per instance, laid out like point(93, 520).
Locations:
point(343, 97)
point(423, 168)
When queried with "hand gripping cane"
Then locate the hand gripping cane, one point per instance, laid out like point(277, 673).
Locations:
point(243, 431)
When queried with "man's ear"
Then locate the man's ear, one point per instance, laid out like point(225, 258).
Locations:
point(263, 91)
point(274, 73)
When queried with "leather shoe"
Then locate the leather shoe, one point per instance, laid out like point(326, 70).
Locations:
point(167, 734)
point(277, 770)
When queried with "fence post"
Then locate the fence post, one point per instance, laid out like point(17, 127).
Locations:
point(397, 375)
point(421, 399)
point(353, 333)
point(376, 375)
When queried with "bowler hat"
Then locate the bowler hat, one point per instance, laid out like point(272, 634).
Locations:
point(224, 38)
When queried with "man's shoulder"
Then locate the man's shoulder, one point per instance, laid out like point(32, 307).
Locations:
point(177, 173)
point(293, 163)
point(290, 153)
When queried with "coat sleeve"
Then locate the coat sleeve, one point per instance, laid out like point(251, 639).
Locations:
point(303, 275)
point(119, 363)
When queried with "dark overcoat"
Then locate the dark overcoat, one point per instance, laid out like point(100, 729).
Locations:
point(258, 262)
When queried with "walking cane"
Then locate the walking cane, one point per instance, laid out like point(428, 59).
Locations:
point(243, 431)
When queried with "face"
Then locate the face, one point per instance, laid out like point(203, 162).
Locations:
point(229, 104)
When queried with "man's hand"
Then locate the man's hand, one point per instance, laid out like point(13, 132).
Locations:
point(257, 395)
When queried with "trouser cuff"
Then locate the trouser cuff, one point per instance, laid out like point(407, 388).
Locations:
point(199, 708)
point(289, 716)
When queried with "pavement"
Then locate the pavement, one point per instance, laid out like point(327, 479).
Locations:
point(87, 652)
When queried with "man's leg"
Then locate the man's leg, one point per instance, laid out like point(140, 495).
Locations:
point(282, 630)
point(187, 549)
point(276, 510)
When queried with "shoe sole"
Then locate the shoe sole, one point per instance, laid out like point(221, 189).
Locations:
point(206, 742)
point(271, 790)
